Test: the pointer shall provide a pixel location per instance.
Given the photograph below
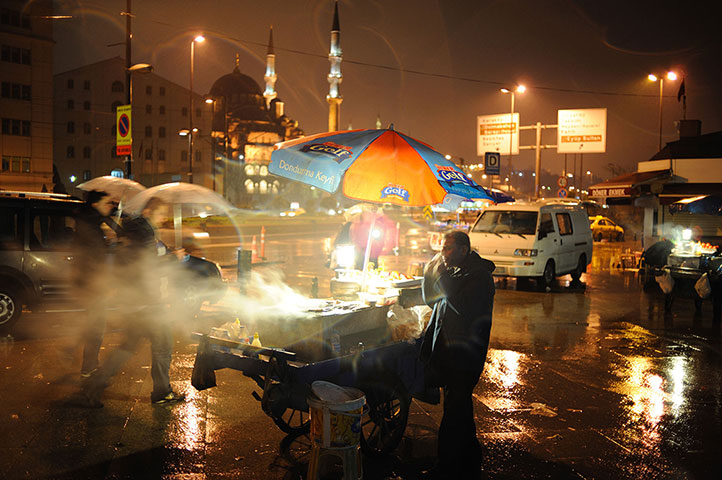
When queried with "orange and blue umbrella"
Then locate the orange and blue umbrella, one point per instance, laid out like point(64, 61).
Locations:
point(380, 166)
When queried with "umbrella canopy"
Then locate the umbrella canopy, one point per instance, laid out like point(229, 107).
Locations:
point(200, 199)
point(118, 188)
point(705, 205)
point(380, 166)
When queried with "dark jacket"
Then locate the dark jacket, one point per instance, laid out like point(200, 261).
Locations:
point(462, 299)
point(90, 248)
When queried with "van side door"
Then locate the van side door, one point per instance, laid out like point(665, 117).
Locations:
point(567, 259)
point(547, 241)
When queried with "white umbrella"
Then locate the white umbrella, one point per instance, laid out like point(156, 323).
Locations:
point(121, 189)
point(200, 200)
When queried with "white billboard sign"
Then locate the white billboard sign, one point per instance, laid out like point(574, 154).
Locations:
point(494, 133)
point(582, 130)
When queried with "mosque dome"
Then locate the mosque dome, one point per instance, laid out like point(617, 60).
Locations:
point(242, 95)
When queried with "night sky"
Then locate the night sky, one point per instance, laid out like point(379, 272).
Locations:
point(569, 54)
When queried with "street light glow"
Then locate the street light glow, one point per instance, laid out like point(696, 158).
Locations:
point(448, 157)
point(671, 76)
point(199, 39)
point(521, 89)
point(652, 77)
point(209, 101)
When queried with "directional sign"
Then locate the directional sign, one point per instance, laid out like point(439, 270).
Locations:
point(562, 193)
point(427, 212)
point(492, 160)
point(562, 181)
point(123, 135)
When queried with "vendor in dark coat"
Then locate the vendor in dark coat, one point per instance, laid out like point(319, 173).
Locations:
point(460, 288)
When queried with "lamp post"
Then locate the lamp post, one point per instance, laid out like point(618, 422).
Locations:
point(199, 39)
point(512, 92)
point(653, 78)
point(214, 101)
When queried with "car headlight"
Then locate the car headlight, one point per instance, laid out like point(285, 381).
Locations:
point(526, 252)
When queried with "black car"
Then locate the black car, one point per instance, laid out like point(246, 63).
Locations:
point(36, 255)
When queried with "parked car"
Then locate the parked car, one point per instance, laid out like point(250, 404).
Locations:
point(36, 258)
point(603, 227)
point(542, 239)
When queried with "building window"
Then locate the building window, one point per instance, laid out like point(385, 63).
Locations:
point(86, 85)
point(86, 174)
point(148, 109)
point(184, 111)
point(149, 154)
point(149, 90)
point(117, 86)
point(15, 90)
point(86, 128)
point(6, 126)
point(161, 132)
point(14, 18)
point(13, 126)
point(86, 105)
point(161, 91)
point(26, 164)
point(6, 164)
point(71, 127)
point(26, 128)
point(71, 84)
point(161, 109)
point(148, 131)
point(161, 155)
point(198, 112)
point(71, 105)
point(86, 154)
point(15, 55)
point(16, 164)
point(184, 156)
point(70, 152)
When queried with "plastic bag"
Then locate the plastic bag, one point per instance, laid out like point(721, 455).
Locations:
point(666, 282)
point(408, 324)
point(702, 286)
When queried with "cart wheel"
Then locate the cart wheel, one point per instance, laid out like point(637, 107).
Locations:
point(275, 402)
point(293, 422)
point(388, 411)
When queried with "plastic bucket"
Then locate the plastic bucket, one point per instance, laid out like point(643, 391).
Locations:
point(335, 415)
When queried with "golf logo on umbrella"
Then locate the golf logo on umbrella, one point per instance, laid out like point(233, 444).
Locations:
point(397, 191)
point(452, 176)
point(339, 152)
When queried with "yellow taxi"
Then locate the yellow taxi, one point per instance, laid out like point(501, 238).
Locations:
point(603, 227)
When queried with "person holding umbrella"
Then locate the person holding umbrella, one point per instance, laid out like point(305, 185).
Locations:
point(458, 285)
point(90, 273)
point(147, 284)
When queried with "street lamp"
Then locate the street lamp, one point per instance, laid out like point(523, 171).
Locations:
point(512, 92)
point(213, 101)
point(653, 78)
point(198, 39)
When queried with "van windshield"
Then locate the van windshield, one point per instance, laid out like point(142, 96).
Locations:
point(511, 222)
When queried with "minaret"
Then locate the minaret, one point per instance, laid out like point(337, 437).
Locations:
point(335, 78)
point(270, 76)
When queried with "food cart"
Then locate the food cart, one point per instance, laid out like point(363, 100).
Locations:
point(687, 262)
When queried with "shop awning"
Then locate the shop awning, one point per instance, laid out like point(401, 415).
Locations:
point(624, 185)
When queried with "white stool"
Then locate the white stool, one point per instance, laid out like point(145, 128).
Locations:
point(351, 458)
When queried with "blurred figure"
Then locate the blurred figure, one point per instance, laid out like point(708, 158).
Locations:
point(383, 236)
point(90, 273)
point(145, 277)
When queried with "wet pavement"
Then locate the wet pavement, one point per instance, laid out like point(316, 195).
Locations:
point(584, 381)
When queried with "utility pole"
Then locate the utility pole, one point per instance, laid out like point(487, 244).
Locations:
point(538, 146)
point(128, 84)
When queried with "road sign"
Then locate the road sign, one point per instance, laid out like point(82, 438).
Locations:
point(494, 132)
point(562, 182)
point(562, 193)
point(492, 160)
point(427, 212)
point(123, 131)
point(582, 130)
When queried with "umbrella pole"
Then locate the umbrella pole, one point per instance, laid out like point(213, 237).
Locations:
point(178, 224)
point(367, 254)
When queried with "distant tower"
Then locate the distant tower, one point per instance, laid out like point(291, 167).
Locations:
point(270, 76)
point(335, 78)
point(378, 122)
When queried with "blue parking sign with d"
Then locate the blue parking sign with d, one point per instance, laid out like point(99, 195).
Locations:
point(491, 163)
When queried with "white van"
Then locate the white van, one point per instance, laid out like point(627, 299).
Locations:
point(542, 239)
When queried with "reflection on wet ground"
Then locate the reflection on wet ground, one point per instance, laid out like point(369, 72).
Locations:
point(591, 380)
